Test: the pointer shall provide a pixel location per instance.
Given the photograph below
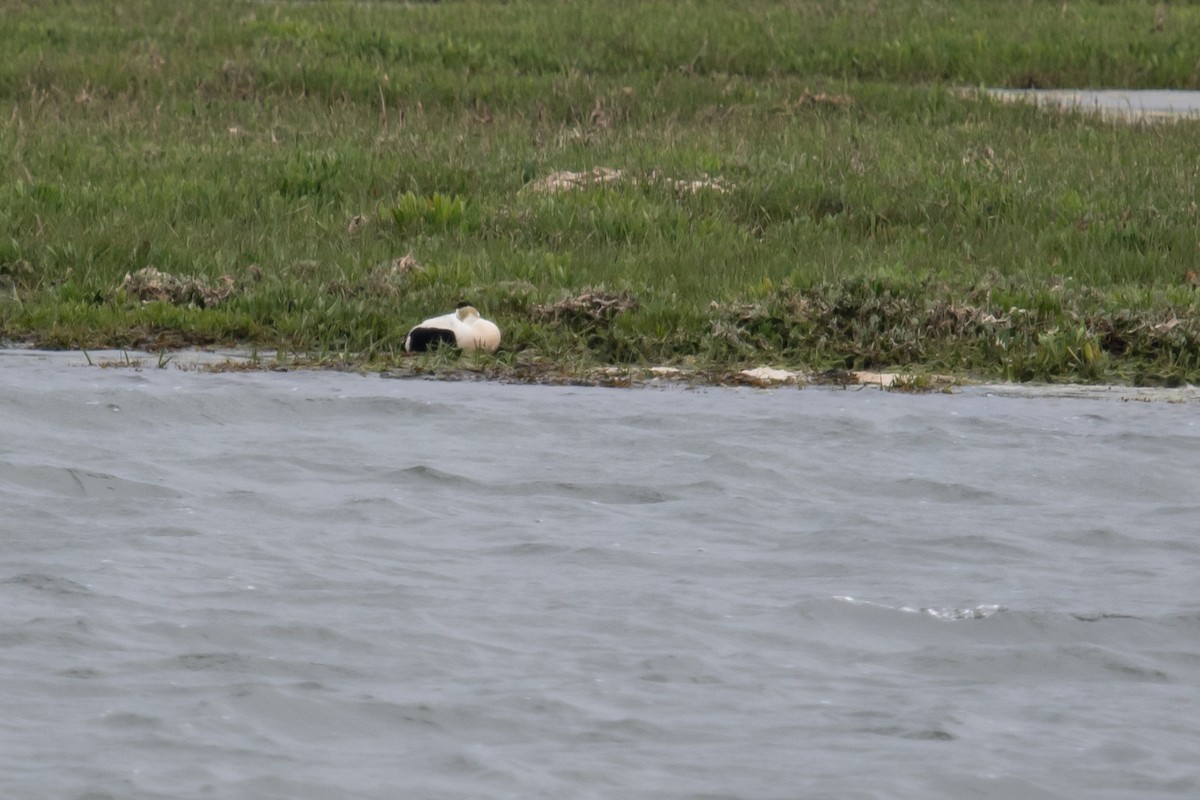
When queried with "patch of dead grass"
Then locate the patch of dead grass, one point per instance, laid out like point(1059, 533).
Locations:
point(565, 181)
point(590, 306)
point(151, 285)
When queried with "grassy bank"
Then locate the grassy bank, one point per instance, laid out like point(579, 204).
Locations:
point(800, 183)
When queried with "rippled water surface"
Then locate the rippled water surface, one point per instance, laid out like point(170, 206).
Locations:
point(321, 585)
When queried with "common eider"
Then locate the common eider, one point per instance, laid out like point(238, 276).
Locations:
point(463, 328)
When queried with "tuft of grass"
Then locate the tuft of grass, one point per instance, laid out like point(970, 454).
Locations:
point(436, 212)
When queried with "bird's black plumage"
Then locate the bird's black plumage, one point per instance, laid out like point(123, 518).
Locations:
point(422, 339)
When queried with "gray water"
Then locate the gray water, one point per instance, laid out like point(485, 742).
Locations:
point(322, 585)
point(1123, 103)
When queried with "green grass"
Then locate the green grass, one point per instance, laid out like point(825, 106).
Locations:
point(913, 227)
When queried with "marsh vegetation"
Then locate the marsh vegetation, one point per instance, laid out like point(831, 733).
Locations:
point(800, 184)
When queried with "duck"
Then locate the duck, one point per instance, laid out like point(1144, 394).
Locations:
point(463, 328)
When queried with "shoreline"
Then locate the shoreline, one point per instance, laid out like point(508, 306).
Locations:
point(614, 377)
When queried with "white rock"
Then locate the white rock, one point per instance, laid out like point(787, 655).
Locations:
point(769, 375)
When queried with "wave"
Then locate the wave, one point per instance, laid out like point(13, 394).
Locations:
point(605, 492)
point(72, 482)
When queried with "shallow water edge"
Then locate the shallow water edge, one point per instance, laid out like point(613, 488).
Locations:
point(1125, 104)
point(763, 377)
